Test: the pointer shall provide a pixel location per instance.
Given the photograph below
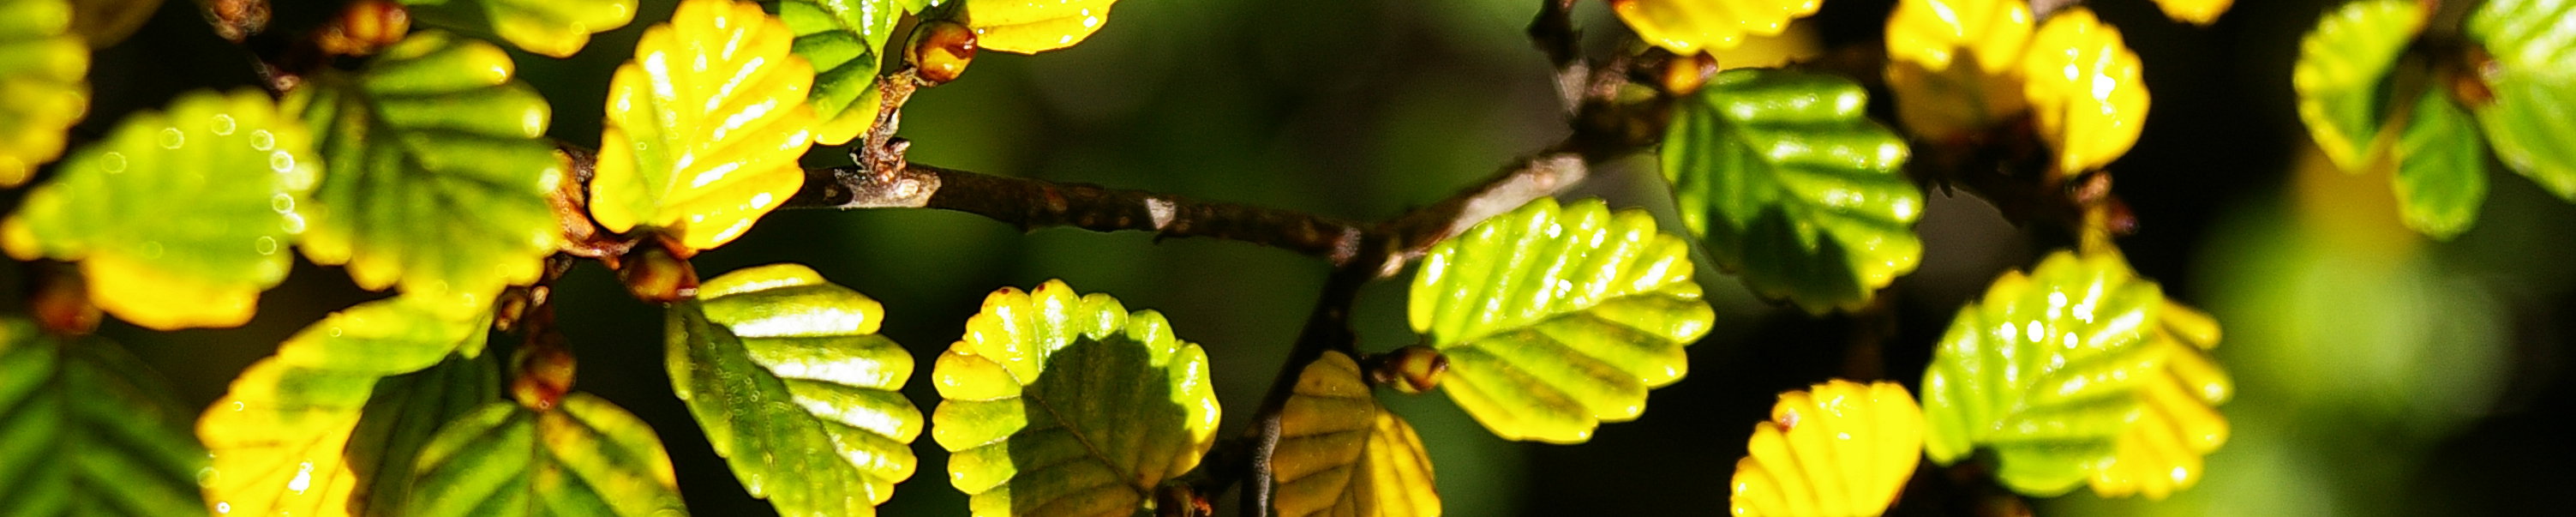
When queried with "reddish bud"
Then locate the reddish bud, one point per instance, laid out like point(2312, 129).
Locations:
point(652, 274)
point(1412, 370)
point(544, 372)
point(941, 50)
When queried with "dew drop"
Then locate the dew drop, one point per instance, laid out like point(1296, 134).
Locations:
point(281, 203)
point(303, 479)
point(223, 125)
point(265, 245)
point(294, 224)
point(223, 507)
point(151, 249)
point(280, 161)
point(261, 140)
point(113, 162)
point(171, 138)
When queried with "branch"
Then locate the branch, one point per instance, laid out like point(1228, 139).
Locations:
point(1328, 328)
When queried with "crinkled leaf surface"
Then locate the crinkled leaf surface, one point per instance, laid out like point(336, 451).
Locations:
point(1840, 448)
point(845, 41)
point(2084, 89)
point(793, 386)
point(2196, 12)
point(2534, 81)
point(2053, 370)
point(704, 126)
point(42, 88)
point(1793, 187)
point(553, 28)
point(2162, 452)
point(1340, 454)
point(1062, 404)
point(1033, 26)
point(439, 171)
point(585, 457)
point(282, 437)
point(1691, 26)
point(178, 219)
point(401, 415)
point(2441, 168)
point(87, 430)
point(1556, 319)
point(1952, 64)
point(2343, 65)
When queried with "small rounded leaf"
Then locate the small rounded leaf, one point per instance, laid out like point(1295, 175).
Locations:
point(1953, 64)
point(704, 126)
point(1033, 26)
point(90, 431)
point(2342, 65)
point(584, 457)
point(1839, 449)
point(552, 28)
point(1340, 454)
point(845, 42)
point(2534, 80)
point(2195, 12)
point(1692, 26)
point(2441, 176)
point(2083, 84)
point(42, 66)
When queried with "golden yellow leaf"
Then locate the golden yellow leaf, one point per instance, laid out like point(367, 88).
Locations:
point(704, 126)
point(2196, 12)
point(2161, 453)
point(1033, 26)
point(1690, 26)
point(2084, 84)
point(1952, 63)
point(1840, 449)
point(42, 93)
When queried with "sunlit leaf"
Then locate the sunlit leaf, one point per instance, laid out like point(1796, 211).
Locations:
point(845, 41)
point(1690, 26)
point(2534, 80)
point(1340, 454)
point(1064, 404)
point(2196, 12)
point(2084, 89)
point(2441, 168)
point(1952, 64)
point(1033, 26)
point(2068, 374)
point(439, 171)
point(705, 126)
point(2343, 64)
point(585, 457)
point(87, 430)
point(1840, 448)
point(793, 386)
point(1556, 319)
point(1793, 187)
point(178, 219)
point(42, 91)
point(281, 437)
point(555, 28)
point(401, 415)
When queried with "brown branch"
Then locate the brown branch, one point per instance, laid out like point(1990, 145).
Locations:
point(1030, 203)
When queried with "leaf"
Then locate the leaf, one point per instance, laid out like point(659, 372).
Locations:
point(87, 430)
point(103, 23)
point(1841, 448)
point(2161, 453)
point(2195, 12)
point(1952, 64)
point(1791, 186)
point(1689, 27)
point(402, 413)
point(42, 91)
point(2342, 66)
point(704, 126)
point(1033, 26)
point(2441, 168)
point(2056, 369)
point(178, 220)
point(585, 457)
point(2534, 80)
point(1064, 404)
point(1341, 454)
point(281, 438)
point(2084, 85)
point(1557, 319)
point(551, 28)
point(440, 172)
point(845, 41)
point(795, 389)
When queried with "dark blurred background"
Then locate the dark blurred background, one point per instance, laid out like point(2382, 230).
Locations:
point(2378, 373)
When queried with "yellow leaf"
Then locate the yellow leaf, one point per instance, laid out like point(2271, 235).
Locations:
point(1690, 26)
point(1340, 454)
point(2195, 12)
point(2161, 454)
point(2084, 83)
point(41, 89)
point(1840, 449)
point(1952, 63)
point(704, 126)
point(1033, 26)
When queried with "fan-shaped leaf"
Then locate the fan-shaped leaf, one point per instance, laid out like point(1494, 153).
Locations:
point(2343, 64)
point(1059, 404)
point(1793, 187)
point(1689, 27)
point(1557, 319)
point(705, 126)
point(1840, 449)
point(585, 457)
point(1340, 454)
point(2441, 168)
point(87, 430)
point(282, 437)
point(1033, 26)
point(2161, 453)
point(402, 413)
point(439, 171)
point(2196, 12)
point(845, 41)
point(42, 92)
point(2534, 80)
point(2084, 85)
point(1952, 63)
point(795, 389)
point(179, 220)
point(554, 28)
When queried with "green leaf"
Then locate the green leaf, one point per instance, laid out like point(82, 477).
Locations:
point(1341, 454)
point(283, 439)
point(1064, 404)
point(845, 40)
point(401, 415)
point(793, 386)
point(439, 171)
point(179, 220)
point(553, 28)
point(2534, 80)
point(2441, 168)
point(2343, 66)
point(585, 457)
point(87, 430)
point(1793, 187)
point(42, 63)
point(1555, 320)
